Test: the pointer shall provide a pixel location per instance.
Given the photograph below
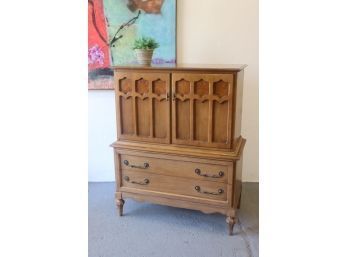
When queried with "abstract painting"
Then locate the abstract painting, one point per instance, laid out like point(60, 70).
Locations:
point(100, 75)
point(156, 19)
point(113, 27)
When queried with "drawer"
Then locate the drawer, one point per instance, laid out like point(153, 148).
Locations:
point(174, 185)
point(177, 168)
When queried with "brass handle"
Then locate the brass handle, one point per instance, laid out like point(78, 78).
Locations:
point(145, 165)
point(167, 97)
point(220, 174)
point(219, 192)
point(145, 182)
point(173, 97)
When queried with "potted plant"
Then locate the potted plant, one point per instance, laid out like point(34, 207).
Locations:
point(144, 48)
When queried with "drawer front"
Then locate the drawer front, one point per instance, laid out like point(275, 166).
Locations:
point(174, 185)
point(177, 168)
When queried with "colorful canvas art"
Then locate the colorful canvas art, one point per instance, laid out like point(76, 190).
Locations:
point(157, 19)
point(100, 76)
point(115, 24)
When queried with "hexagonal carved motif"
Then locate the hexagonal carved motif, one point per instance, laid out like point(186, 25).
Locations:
point(159, 87)
point(125, 85)
point(182, 87)
point(142, 86)
point(201, 87)
point(220, 88)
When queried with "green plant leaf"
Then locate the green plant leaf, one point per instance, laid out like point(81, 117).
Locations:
point(145, 43)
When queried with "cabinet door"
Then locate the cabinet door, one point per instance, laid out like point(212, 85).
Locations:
point(143, 106)
point(202, 109)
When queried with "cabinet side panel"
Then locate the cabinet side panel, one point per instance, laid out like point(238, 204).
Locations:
point(238, 166)
point(238, 107)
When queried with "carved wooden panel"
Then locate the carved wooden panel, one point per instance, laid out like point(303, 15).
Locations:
point(202, 106)
point(200, 123)
point(182, 87)
point(143, 116)
point(201, 111)
point(220, 122)
point(125, 85)
point(143, 106)
point(220, 111)
point(183, 121)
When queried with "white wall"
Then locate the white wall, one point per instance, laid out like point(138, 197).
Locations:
point(226, 31)
point(220, 32)
point(101, 133)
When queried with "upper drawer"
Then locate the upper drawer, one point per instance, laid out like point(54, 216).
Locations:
point(178, 168)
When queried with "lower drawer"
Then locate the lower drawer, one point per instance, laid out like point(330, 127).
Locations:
point(174, 185)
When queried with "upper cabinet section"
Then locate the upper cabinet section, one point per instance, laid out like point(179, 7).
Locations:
point(188, 106)
point(202, 109)
point(143, 106)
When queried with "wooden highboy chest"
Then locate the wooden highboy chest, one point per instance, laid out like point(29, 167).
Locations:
point(179, 137)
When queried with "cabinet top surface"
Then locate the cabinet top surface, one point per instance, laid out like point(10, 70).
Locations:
point(183, 67)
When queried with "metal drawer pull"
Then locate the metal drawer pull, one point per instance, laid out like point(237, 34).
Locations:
point(146, 181)
point(198, 172)
point(145, 165)
point(198, 189)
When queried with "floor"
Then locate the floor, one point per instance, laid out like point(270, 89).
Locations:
point(148, 230)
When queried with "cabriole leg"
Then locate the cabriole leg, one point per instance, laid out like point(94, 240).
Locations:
point(120, 203)
point(230, 222)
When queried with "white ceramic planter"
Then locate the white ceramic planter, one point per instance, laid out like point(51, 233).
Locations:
point(144, 57)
